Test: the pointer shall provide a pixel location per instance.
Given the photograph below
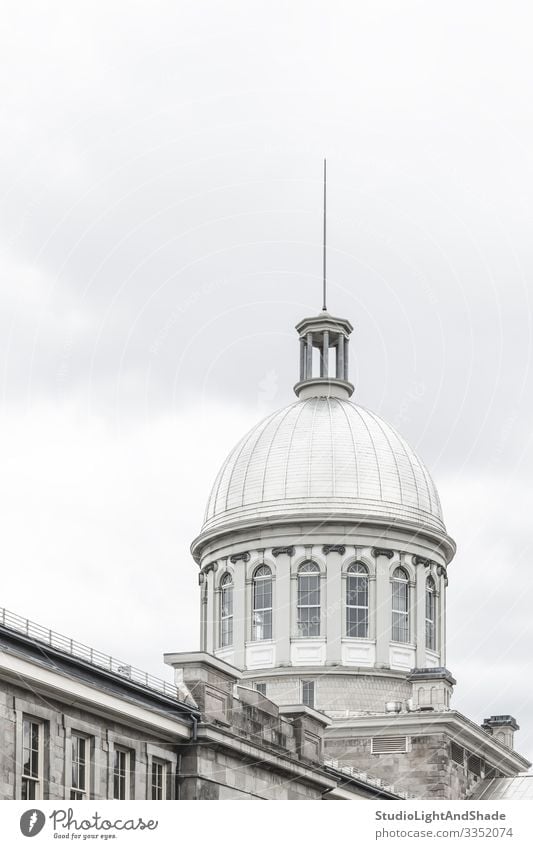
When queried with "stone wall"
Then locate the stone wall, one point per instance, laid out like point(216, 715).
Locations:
point(60, 720)
point(208, 773)
point(427, 770)
point(337, 694)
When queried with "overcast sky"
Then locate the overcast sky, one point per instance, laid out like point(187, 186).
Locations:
point(160, 236)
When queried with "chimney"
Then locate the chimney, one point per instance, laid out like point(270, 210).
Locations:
point(502, 728)
point(431, 688)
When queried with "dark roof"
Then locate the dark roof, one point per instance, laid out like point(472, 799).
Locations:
point(129, 683)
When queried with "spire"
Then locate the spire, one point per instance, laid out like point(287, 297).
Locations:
point(324, 299)
point(319, 337)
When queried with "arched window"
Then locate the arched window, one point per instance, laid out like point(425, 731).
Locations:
point(357, 601)
point(431, 635)
point(400, 606)
point(262, 604)
point(309, 600)
point(226, 610)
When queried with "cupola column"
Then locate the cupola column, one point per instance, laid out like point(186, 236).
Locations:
point(442, 622)
point(340, 357)
point(383, 611)
point(324, 332)
point(346, 347)
point(420, 616)
point(302, 359)
point(210, 612)
point(334, 607)
point(309, 364)
point(239, 614)
point(283, 609)
point(325, 354)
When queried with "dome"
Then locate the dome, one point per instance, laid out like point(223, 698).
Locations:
point(322, 457)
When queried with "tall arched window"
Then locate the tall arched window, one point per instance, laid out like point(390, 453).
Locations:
point(226, 610)
point(309, 600)
point(400, 606)
point(357, 601)
point(262, 604)
point(431, 634)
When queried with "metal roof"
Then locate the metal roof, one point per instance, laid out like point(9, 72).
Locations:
point(322, 456)
point(87, 657)
point(517, 787)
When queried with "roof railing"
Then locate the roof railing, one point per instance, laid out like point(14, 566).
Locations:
point(79, 651)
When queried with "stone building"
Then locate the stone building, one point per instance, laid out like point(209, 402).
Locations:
point(323, 571)
point(76, 724)
point(323, 566)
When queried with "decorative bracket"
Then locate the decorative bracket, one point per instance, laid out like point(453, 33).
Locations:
point(385, 552)
point(340, 549)
point(421, 561)
point(283, 549)
point(443, 572)
point(244, 555)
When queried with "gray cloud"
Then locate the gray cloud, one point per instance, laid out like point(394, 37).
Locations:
point(160, 231)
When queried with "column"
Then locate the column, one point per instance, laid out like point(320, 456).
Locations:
point(309, 370)
point(203, 612)
point(324, 363)
point(302, 358)
point(346, 344)
point(383, 611)
point(442, 621)
point(419, 612)
point(340, 357)
point(210, 612)
point(239, 614)
point(333, 607)
point(282, 610)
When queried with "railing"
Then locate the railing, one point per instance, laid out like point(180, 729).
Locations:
point(50, 638)
point(364, 776)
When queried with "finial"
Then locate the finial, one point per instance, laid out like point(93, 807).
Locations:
point(324, 307)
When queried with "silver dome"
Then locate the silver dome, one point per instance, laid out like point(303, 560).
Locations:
point(323, 457)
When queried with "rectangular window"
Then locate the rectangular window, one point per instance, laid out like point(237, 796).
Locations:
point(159, 780)
point(80, 749)
point(261, 687)
point(431, 641)
point(32, 759)
point(122, 774)
point(226, 612)
point(400, 611)
point(308, 693)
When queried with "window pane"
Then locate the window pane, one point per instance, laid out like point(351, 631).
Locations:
point(308, 693)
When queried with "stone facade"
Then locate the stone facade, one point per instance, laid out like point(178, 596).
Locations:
point(205, 738)
point(337, 693)
point(59, 722)
point(434, 755)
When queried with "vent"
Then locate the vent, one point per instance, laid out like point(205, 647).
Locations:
point(474, 765)
point(388, 745)
point(458, 754)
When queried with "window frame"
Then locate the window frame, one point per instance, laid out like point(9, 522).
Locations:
point(308, 683)
point(226, 588)
point(258, 582)
point(431, 620)
point(403, 624)
point(35, 782)
point(354, 573)
point(77, 793)
point(156, 764)
point(308, 569)
point(129, 755)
